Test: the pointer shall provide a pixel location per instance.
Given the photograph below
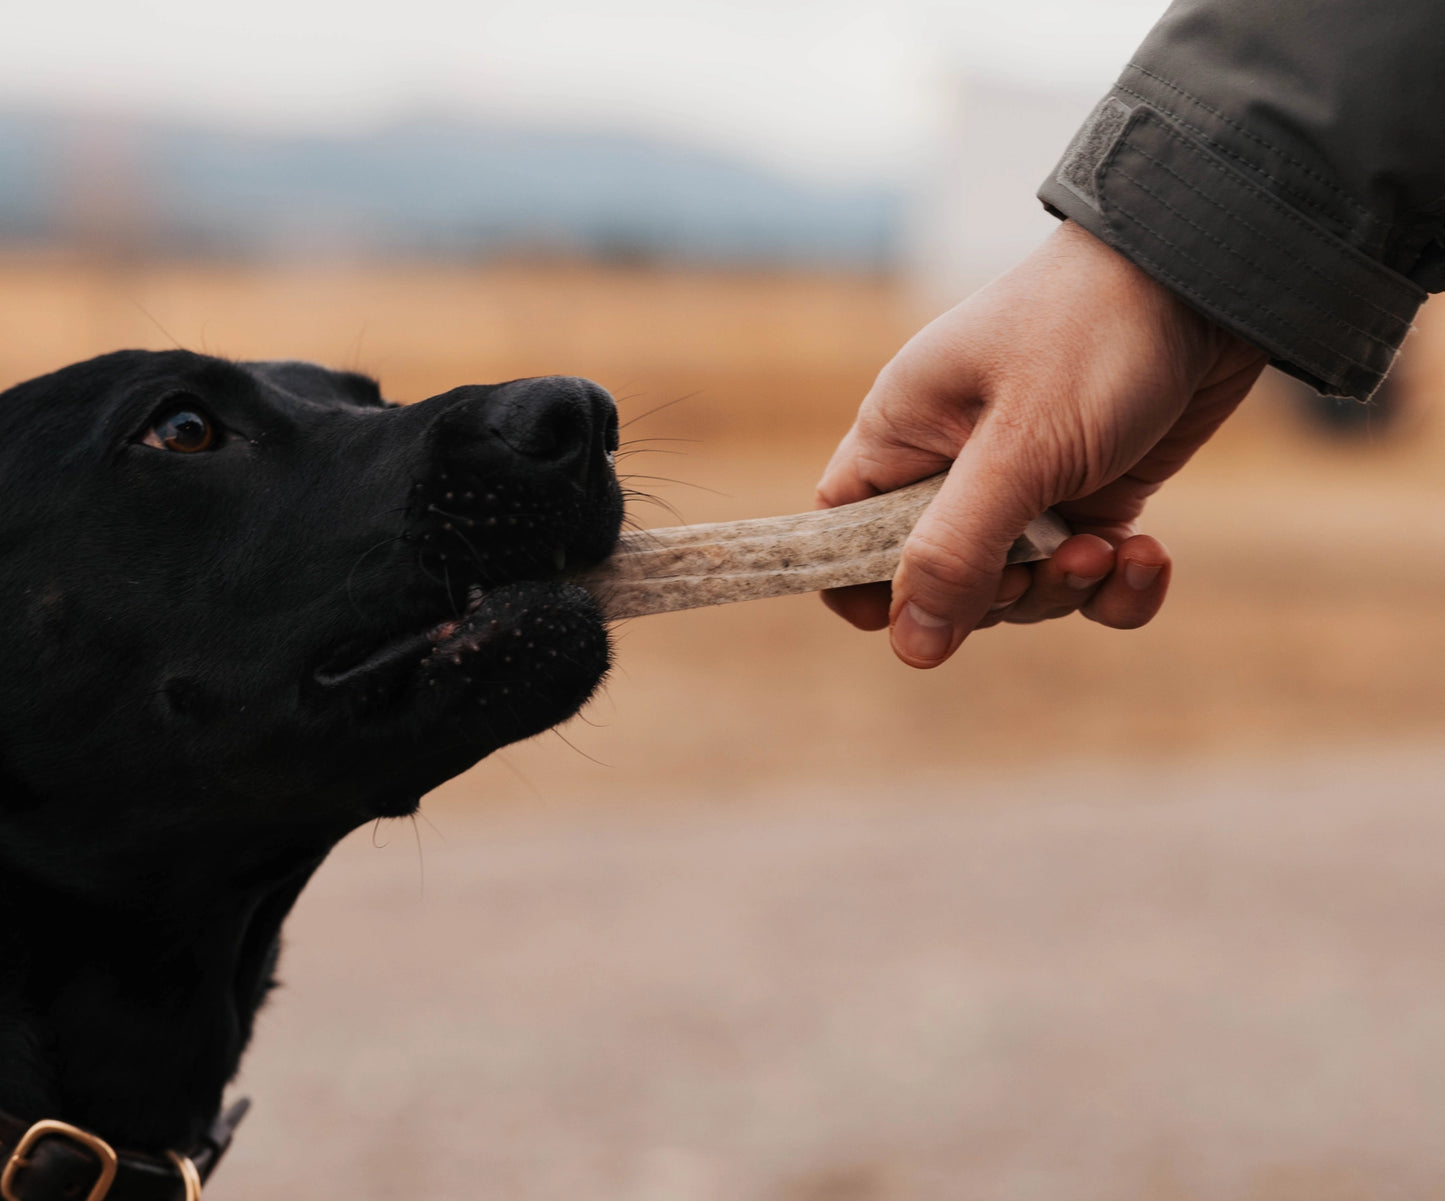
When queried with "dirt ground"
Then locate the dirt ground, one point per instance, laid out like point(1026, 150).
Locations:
point(1147, 916)
point(1184, 983)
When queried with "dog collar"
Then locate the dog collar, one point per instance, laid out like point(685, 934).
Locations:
point(55, 1161)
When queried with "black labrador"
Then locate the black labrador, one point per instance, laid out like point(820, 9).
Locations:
point(245, 608)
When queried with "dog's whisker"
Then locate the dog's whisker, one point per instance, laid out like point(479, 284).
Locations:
point(582, 716)
point(626, 442)
point(665, 479)
point(420, 858)
point(435, 829)
point(578, 749)
point(151, 317)
point(375, 833)
point(648, 498)
point(354, 357)
point(356, 566)
point(648, 450)
point(478, 559)
point(667, 404)
point(519, 774)
point(457, 609)
point(462, 517)
point(426, 571)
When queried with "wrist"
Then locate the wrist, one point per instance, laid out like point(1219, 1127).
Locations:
point(1196, 338)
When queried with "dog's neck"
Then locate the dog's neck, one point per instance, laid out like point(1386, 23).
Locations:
point(128, 1020)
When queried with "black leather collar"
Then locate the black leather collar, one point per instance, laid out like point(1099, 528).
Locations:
point(53, 1161)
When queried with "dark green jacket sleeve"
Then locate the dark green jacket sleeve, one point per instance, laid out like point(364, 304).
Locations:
point(1281, 165)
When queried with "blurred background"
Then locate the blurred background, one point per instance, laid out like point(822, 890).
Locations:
point(1153, 915)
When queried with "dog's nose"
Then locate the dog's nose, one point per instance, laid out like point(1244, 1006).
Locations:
point(558, 422)
point(517, 478)
point(554, 419)
point(558, 426)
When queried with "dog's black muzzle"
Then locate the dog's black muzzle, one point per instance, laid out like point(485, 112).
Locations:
point(518, 482)
point(512, 489)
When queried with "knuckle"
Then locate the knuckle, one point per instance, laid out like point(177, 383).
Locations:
point(945, 563)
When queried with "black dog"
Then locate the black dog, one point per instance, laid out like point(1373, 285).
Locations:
point(245, 608)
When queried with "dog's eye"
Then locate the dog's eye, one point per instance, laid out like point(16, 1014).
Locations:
point(183, 430)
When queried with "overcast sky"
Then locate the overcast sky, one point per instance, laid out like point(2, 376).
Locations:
point(847, 89)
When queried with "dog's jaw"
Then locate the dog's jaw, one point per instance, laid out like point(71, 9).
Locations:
point(534, 649)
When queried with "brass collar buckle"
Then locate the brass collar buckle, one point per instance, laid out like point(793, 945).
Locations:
point(189, 1176)
point(98, 1147)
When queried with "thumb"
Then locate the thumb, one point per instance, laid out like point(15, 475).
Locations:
point(952, 561)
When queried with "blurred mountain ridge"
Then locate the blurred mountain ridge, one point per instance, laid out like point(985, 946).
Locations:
point(425, 186)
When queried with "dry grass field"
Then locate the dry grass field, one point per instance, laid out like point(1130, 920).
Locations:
point(713, 941)
point(1306, 602)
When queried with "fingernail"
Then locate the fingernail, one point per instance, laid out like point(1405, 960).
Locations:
point(1140, 575)
point(997, 605)
point(1081, 581)
point(921, 635)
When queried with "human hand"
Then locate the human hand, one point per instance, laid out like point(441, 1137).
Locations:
point(1074, 381)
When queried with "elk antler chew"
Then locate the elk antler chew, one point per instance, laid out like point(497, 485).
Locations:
point(689, 566)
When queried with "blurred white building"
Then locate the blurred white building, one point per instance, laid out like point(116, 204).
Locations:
point(975, 213)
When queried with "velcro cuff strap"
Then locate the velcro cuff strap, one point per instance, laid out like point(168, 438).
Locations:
point(1235, 251)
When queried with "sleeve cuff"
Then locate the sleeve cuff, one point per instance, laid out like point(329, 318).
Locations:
point(1324, 310)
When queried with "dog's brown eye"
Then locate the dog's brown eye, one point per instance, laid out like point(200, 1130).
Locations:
point(185, 430)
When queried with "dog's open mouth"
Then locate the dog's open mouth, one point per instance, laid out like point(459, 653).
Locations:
point(534, 644)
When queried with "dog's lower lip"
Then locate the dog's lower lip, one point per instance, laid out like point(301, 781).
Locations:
point(395, 654)
point(443, 630)
point(379, 666)
point(390, 655)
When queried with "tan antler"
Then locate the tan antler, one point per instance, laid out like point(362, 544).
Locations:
point(689, 566)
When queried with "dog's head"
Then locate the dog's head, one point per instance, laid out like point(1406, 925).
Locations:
point(256, 594)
